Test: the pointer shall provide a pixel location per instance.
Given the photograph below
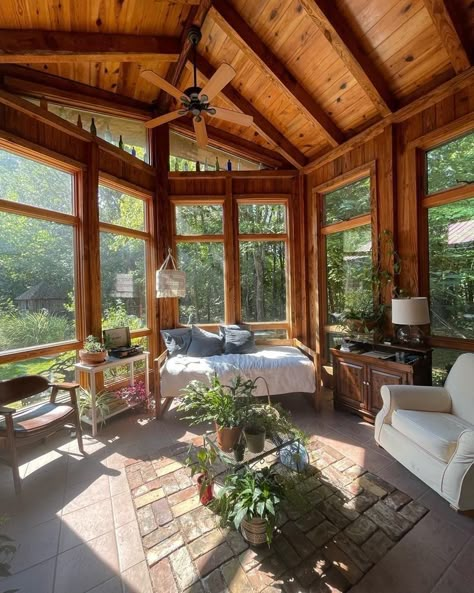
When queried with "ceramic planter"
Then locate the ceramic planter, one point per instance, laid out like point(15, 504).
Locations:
point(92, 357)
point(255, 441)
point(254, 531)
point(227, 437)
point(205, 492)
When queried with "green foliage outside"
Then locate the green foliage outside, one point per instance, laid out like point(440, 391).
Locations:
point(451, 164)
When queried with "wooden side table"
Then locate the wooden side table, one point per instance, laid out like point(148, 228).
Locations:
point(110, 363)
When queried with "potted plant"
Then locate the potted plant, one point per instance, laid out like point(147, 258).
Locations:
point(201, 460)
point(7, 552)
point(239, 449)
point(224, 405)
point(255, 429)
point(134, 395)
point(93, 352)
point(103, 402)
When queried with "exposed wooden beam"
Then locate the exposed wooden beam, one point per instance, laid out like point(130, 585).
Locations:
point(327, 17)
point(229, 142)
point(448, 34)
point(446, 89)
point(32, 47)
point(21, 80)
point(252, 46)
point(196, 17)
point(264, 127)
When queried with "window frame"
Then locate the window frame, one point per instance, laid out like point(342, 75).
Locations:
point(322, 231)
point(426, 201)
point(73, 220)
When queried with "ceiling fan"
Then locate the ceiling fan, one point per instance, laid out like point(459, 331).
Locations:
point(196, 100)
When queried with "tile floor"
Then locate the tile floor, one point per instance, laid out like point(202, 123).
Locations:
point(76, 529)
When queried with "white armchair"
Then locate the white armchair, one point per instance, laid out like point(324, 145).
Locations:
point(430, 430)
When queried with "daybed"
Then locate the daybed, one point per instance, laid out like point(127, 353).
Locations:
point(287, 369)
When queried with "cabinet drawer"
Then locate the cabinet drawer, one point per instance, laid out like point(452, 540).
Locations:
point(350, 383)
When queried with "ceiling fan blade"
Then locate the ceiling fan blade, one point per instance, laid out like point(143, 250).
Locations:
point(233, 116)
point(222, 76)
point(161, 83)
point(163, 119)
point(201, 131)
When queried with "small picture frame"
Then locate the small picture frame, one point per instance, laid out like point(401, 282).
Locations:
point(118, 337)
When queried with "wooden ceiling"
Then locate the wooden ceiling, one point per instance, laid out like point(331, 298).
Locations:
point(312, 72)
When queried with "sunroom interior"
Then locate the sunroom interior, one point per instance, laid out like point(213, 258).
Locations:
point(299, 174)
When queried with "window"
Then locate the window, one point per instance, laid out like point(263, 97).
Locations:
point(184, 153)
point(125, 249)
point(37, 254)
point(262, 260)
point(200, 251)
point(109, 128)
point(347, 257)
point(450, 165)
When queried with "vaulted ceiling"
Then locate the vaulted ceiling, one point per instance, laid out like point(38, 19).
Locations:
point(312, 72)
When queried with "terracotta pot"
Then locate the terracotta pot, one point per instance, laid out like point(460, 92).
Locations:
point(254, 531)
point(255, 441)
point(205, 492)
point(227, 437)
point(92, 357)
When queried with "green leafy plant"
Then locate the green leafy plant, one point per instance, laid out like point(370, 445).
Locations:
point(92, 344)
point(7, 552)
point(104, 400)
point(201, 460)
point(272, 419)
point(31, 329)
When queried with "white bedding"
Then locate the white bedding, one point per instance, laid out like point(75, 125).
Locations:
point(285, 369)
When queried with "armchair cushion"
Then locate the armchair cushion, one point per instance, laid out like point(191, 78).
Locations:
point(435, 432)
point(38, 417)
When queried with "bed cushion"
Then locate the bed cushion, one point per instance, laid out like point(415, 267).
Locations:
point(204, 343)
point(238, 341)
point(177, 341)
point(435, 432)
point(284, 368)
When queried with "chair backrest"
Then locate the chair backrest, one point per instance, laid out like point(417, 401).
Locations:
point(14, 390)
point(460, 384)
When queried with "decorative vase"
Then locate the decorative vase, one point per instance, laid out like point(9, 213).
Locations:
point(227, 437)
point(92, 358)
point(205, 492)
point(255, 441)
point(254, 531)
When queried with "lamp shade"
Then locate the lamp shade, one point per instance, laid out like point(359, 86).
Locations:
point(410, 311)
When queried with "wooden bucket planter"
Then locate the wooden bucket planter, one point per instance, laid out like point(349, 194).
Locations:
point(254, 531)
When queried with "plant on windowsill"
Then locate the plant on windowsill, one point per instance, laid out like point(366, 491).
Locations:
point(93, 351)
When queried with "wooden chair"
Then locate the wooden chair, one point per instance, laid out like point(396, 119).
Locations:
point(21, 427)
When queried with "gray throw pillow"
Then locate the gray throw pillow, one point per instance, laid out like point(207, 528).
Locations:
point(204, 343)
point(222, 328)
point(239, 341)
point(176, 340)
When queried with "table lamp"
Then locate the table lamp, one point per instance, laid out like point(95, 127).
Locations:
point(409, 314)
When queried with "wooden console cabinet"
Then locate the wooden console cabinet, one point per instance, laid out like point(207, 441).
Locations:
point(358, 378)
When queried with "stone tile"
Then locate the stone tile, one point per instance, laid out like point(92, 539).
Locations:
point(149, 497)
point(362, 501)
point(360, 530)
point(206, 543)
point(196, 588)
point(303, 546)
point(331, 581)
point(312, 569)
point(37, 579)
point(183, 568)
point(441, 508)
point(402, 478)
point(85, 524)
point(310, 520)
point(344, 464)
point(377, 546)
point(353, 551)
point(146, 520)
point(333, 515)
point(214, 583)
point(321, 534)
point(35, 545)
point(392, 523)
point(186, 506)
point(122, 507)
point(162, 511)
point(463, 563)
point(86, 566)
point(345, 507)
point(78, 496)
point(413, 512)
point(182, 495)
point(235, 540)
point(375, 485)
point(113, 585)
point(344, 563)
point(236, 578)
point(164, 548)
point(285, 551)
point(259, 580)
point(169, 484)
point(213, 559)
point(168, 469)
point(253, 556)
point(453, 582)
point(183, 478)
point(137, 579)
point(129, 545)
point(160, 534)
point(162, 577)
point(396, 500)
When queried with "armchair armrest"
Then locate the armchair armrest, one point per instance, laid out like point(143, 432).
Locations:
point(4, 411)
point(306, 349)
point(457, 483)
point(71, 387)
point(161, 359)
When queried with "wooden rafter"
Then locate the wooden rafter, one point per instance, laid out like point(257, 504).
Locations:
point(27, 81)
point(326, 16)
point(252, 46)
point(448, 34)
point(265, 128)
point(229, 142)
point(33, 47)
point(196, 17)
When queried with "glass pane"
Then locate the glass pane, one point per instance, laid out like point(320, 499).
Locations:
point(271, 334)
point(451, 251)
point(29, 182)
point(204, 267)
point(347, 202)
point(53, 367)
point(123, 281)
point(109, 128)
point(262, 218)
point(185, 153)
point(443, 360)
point(349, 273)
point(451, 164)
point(117, 207)
point(36, 282)
point(199, 220)
point(123, 372)
point(263, 280)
